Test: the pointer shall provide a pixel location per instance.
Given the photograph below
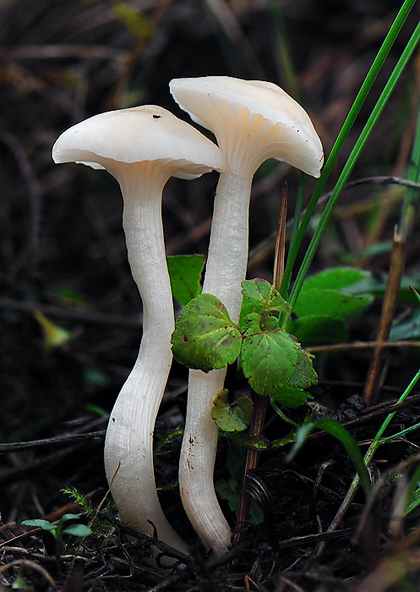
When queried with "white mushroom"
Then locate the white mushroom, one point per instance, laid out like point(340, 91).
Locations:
point(141, 147)
point(252, 121)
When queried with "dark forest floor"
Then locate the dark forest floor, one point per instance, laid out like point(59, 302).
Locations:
point(63, 260)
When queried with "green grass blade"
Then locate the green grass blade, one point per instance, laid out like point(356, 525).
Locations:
point(372, 120)
point(335, 429)
point(411, 195)
point(354, 111)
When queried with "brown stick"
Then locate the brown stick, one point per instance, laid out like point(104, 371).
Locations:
point(388, 310)
point(280, 247)
point(261, 402)
point(256, 430)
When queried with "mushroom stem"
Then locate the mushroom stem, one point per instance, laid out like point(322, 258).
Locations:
point(197, 460)
point(129, 437)
point(141, 147)
point(227, 259)
point(252, 121)
point(226, 268)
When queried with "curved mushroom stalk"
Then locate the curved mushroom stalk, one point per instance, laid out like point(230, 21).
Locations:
point(129, 437)
point(198, 451)
point(141, 147)
point(252, 121)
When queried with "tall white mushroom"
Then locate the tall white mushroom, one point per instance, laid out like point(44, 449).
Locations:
point(252, 121)
point(141, 147)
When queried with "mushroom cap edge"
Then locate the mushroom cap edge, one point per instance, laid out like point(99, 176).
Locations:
point(147, 132)
point(201, 96)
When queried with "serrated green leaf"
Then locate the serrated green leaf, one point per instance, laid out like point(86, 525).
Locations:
point(268, 360)
point(205, 338)
point(303, 375)
point(251, 323)
point(78, 530)
point(318, 329)
point(330, 303)
point(289, 396)
point(231, 418)
point(258, 323)
point(258, 291)
point(185, 275)
point(262, 298)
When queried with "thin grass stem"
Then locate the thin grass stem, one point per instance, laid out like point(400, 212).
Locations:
point(348, 124)
point(372, 120)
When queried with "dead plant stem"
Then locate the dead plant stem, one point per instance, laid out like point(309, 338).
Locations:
point(261, 402)
point(388, 310)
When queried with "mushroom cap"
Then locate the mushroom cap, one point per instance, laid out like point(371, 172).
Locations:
point(212, 100)
point(145, 133)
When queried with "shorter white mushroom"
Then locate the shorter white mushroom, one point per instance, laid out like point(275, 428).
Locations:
point(141, 147)
point(252, 121)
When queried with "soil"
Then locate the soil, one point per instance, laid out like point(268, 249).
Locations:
point(70, 312)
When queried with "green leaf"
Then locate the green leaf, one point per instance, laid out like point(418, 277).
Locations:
point(20, 583)
point(334, 428)
point(185, 275)
point(205, 337)
point(258, 291)
point(376, 285)
point(263, 293)
point(66, 517)
point(330, 303)
point(318, 329)
point(256, 323)
point(78, 530)
point(409, 329)
point(71, 296)
point(256, 514)
point(260, 297)
point(334, 279)
point(303, 375)
point(268, 360)
point(231, 418)
point(322, 307)
point(39, 523)
point(290, 397)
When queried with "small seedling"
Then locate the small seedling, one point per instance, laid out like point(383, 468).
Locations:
point(58, 530)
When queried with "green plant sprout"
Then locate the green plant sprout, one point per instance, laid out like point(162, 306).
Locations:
point(98, 526)
point(59, 530)
point(272, 360)
point(20, 583)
